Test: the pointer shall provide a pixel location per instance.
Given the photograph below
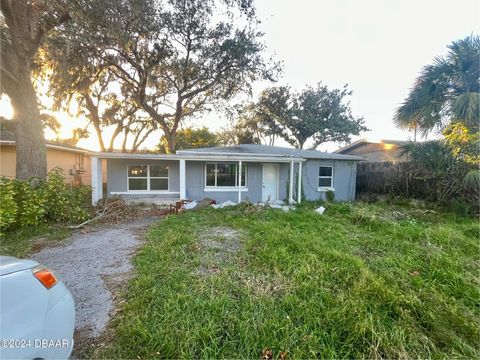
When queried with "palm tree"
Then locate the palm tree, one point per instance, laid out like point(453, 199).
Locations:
point(446, 91)
point(433, 156)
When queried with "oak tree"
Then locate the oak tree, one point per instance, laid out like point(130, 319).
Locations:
point(315, 113)
point(190, 56)
point(24, 25)
point(191, 138)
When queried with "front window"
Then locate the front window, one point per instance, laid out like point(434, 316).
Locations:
point(325, 177)
point(147, 177)
point(224, 175)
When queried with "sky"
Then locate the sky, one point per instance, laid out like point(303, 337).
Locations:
point(376, 47)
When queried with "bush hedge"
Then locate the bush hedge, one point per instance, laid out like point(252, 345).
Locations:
point(30, 203)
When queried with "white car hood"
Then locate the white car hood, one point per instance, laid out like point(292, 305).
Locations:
point(10, 264)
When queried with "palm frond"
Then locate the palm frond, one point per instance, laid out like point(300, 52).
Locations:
point(467, 108)
point(471, 181)
point(424, 106)
point(445, 91)
point(432, 156)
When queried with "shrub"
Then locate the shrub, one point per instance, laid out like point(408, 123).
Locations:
point(63, 203)
point(330, 196)
point(31, 203)
point(460, 207)
point(8, 208)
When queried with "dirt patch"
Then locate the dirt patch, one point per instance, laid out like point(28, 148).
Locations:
point(263, 284)
point(218, 248)
point(223, 240)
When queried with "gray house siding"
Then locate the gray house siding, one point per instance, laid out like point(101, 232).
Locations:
point(117, 178)
point(344, 175)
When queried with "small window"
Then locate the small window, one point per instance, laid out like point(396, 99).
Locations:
point(224, 175)
point(325, 177)
point(147, 177)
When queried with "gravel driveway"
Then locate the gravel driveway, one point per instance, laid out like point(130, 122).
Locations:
point(92, 262)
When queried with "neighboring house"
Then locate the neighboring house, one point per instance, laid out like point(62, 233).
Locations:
point(74, 161)
point(374, 151)
point(257, 173)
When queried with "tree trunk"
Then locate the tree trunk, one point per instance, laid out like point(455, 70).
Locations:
point(117, 132)
point(26, 29)
point(170, 148)
point(30, 143)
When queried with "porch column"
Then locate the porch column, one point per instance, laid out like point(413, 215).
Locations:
point(97, 181)
point(299, 183)
point(290, 190)
point(239, 181)
point(183, 191)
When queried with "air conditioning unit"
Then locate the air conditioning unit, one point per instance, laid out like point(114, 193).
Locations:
point(77, 169)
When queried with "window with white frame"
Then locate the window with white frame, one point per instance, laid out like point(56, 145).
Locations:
point(224, 175)
point(147, 177)
point(325, 178)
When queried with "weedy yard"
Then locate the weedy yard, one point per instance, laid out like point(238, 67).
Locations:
point(361, 280)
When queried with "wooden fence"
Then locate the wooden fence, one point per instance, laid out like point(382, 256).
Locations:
point(405, 179)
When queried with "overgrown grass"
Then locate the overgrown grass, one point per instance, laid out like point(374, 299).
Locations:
point(23, 241)
point(360, 281)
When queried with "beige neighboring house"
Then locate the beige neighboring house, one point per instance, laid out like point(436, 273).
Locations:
point(74, 161)
point(375, 150)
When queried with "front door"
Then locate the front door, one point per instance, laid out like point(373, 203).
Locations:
point(270, 182)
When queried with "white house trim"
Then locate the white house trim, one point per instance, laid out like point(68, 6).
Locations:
point(97, 181)
point(183, 188)
point(144, 192)
point(299, 183)
point(290, 190)
point(224, 189)
point(239, 181)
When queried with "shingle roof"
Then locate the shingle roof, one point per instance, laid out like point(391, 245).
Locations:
point(368, 141)
point(8, 137)
point(271, 150)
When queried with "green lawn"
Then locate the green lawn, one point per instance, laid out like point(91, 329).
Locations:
point(369, 281)
point(23, 241)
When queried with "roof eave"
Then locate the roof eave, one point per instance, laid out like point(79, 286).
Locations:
point(197, 157)
point(49, 146)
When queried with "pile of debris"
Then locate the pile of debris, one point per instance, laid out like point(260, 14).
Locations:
point(115, 210)
point(278, 204)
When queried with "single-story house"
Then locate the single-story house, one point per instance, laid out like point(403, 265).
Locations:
point(74, 161)
point(257, 173)
point(375, 150)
